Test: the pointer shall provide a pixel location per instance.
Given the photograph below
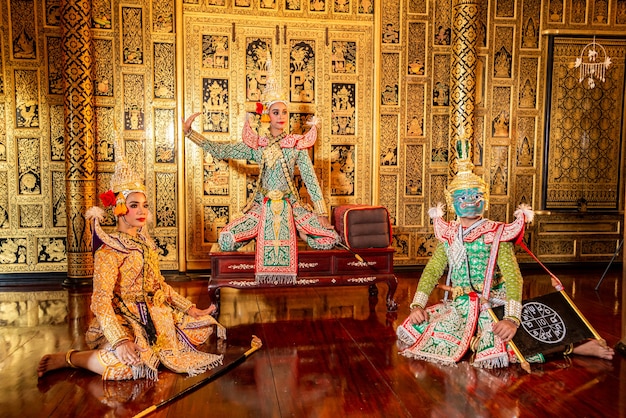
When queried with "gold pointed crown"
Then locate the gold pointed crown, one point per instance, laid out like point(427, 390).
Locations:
point(124, 180)
point(465, 177)
point(271, 92)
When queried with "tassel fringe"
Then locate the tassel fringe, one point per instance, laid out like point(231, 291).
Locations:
point(277, 279)
point(95, 212)
point(436, 212)
point(525, 211)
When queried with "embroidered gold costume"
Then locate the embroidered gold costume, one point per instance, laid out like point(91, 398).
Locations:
point(132, 302)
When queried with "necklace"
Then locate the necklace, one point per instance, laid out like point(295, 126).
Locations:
point(273, 152)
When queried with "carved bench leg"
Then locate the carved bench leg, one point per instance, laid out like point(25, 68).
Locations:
point(373, 298)
point(392, 306)
point(214, 298)
point(373, 290)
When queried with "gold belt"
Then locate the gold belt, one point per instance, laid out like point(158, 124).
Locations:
point(157, 298)
point(457, 291)
point(274, 194)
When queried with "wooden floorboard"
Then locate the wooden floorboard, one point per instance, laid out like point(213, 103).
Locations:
point(326, 353)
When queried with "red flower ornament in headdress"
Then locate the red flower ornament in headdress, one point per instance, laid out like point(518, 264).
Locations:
point(108, 198)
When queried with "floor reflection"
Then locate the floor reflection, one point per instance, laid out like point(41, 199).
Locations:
point(326, 353)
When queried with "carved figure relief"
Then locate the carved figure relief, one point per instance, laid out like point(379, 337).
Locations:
point(441, 94)
point(267, 4)
point(302, 72)
point(500, 125)
point(53, 12)
point(57, 138)
point(164, 70)
point(29, 166)
point(132, 36)
point(343, 109)
point(289, 4)
point(530, 37)
point(216, 176)
point(13, 250)
point(215, 51)
point(415, 126)
point(26, 99)
point(317, 5)
point(298, 123)
point(164, 136)
point(366, 6)
point(23, 25)
point(103, 67)
point(133, 102)
point(341, 6)
point(414, 166)
point(165, 211)
point(389, 140)
point(443, 35)
point(342, 170)
point(215, 218)
point(101, 14)
point(502, 64)
point(51, 250)
point(344, 57)
point(256, 71)
point(163, 16)
point(215, 107)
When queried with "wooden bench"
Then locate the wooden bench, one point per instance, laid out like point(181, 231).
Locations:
point(316, 268)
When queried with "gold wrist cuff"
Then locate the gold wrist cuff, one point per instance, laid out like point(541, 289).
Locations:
point(68, 358)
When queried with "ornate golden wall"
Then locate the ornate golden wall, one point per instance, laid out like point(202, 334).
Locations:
point(325, 67)
point(376, 73)
point(514, 142)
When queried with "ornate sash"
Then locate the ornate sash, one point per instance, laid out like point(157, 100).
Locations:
point(276, 257)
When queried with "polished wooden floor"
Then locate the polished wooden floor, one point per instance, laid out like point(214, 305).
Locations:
point(326, 353)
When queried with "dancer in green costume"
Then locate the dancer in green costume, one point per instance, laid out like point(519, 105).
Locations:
point(478, 253)
point(276, 215)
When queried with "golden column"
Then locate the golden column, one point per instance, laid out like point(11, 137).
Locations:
point(463, 78)
point(80, 163)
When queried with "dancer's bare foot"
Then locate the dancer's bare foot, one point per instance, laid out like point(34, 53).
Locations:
point(593, 348)
point(51, 362)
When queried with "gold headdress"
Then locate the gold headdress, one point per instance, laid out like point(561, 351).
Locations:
point(124, 181)
point(271, 92)
point(465, 177)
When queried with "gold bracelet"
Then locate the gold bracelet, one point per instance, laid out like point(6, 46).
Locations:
point(569, 348)
point(512, 319)
point(68, 357)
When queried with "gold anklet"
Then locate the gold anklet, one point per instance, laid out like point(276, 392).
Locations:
point(569, 348)
point(68, 357)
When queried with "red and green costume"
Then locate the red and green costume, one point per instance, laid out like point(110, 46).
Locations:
point(456, 325)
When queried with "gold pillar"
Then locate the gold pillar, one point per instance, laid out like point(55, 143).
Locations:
point(80, 163)
point(463, 74)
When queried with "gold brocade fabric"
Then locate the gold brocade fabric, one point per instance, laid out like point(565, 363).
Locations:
point(126, 279)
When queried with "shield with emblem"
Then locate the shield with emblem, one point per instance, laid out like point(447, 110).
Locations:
point(548, 322)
